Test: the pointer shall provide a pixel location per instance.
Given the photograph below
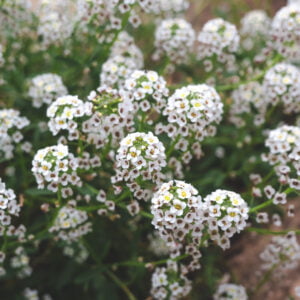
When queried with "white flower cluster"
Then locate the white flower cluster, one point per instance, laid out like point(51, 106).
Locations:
point(10, 125)
point(65, 113)
point(56, 167)
point(165, 7)
point(255, 22)
point(112, 119)
point(174, 38)
point(248, 99)
point(116, 70)
point(192, 112)
point(141, 157)
point(20, 262)
point(285, 31)
point(56, 22)
point(230, 291)
point(15, 17)
point(147, 90)
point(224, 213)
point(8, 207)
point(284, 147)
point(46, 88)
point(218, 39)
point(283, 253)
point(176, 209)
point(282, 84)
point(125, 46)
point(169, 282)
point(71, 223)
point(255, 27)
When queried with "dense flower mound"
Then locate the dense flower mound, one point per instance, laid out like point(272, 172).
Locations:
point(70, 223)
point(174, 38)
point(285, 31)
point(125, 46)
point(283, 252)
point(282, 85)
point(194, 111)
point(218, 39)
point(64, 113)
point(255, 22)
point(284, 154)
point(10, 135)
point(112, 118)
point(54, 167)
point(224, 213)
point(147, 91)
point(169, 282)
point(45, 88)
point(255, 27)
point(230, 291)
point(176, 212)
point(116, 70)
point(141, 157)
point(248, 99)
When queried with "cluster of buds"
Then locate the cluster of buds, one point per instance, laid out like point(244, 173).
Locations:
point(170, 282)
point(147, 91)
point(10, 125)
point(46, 88)
point(282, 85)
point(218, 40)
point(224, 213)
point(174, 38)
point(230, 291)
point(140, 158)
point(55, 167)
point(71, 223)
point(111, 120)
point(65, 114)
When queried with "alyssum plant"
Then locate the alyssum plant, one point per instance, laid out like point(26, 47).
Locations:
point(139, 183)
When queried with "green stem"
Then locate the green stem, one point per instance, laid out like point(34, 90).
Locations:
point(267, 231)
point(119, 283)
point(268, 203)
point(264, 279)
point(172, 146)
